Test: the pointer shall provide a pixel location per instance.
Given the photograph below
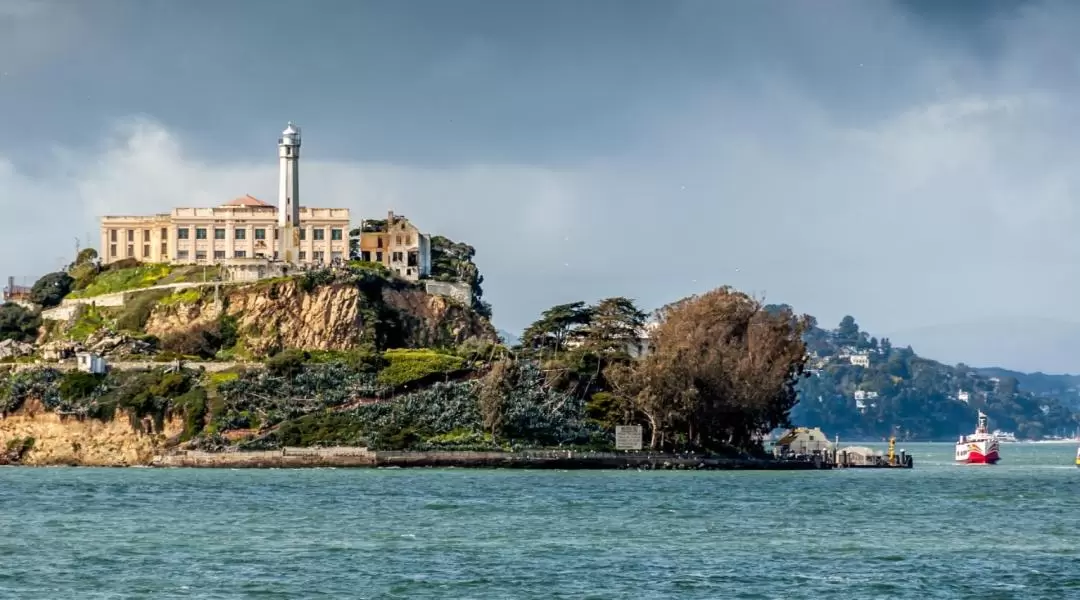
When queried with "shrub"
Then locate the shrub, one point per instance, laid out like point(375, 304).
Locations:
point(409, 366)
point(287, 363)
point(51, 289)
point(202, 341)
point(136, 312)
point(76, 385)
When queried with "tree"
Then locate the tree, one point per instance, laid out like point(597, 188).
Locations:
point(453, 261)
point(721, 370)
point(556, 327)
point(354, 244)
point(17, 323)
point(847, 333)
point(51, 289)
point(615, 326)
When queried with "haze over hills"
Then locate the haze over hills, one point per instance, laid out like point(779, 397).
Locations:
point(1024, 344)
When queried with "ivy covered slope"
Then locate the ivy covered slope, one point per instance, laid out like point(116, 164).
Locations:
point(579, 371)
point(859, 386)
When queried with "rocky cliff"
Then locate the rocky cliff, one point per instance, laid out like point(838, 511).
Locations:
point(57, 440)
point(269, 316)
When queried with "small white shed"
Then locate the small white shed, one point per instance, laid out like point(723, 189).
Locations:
point(88, 362)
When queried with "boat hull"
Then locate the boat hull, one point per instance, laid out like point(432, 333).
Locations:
point(978, 453)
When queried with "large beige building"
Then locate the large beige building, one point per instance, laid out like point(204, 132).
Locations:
point(246, 228)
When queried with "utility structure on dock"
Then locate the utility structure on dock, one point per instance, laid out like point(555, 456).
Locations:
point(861, 457)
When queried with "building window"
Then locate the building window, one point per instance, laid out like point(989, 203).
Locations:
point(396, 257)
point(275, 234)
point(260, 234)
point(319, 234)
point(131, 251)
point(219, 234)
point(379, 244)
point(112, 235)
point(336, 256)
point(365, 256)
point(112, 249)
point(182, 255)
point(303, 255)
point(335, 234)
point(408, 239)
point(146, 250)
point(240, 254)
point(164, 249)
point(303, 234)
point(378, 257)
point(397, 240)
point(131, 235)
point(200, 233)
point(241, 234)
point(182, 233)
point(318, 255)
point(219, 254)
point(146, 235)
point(200, 255)
point(164, 233)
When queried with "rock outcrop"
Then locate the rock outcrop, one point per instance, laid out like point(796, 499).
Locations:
point(269, 316)
point(60, 440)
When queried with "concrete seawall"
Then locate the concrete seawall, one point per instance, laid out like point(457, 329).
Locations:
point(361, 457)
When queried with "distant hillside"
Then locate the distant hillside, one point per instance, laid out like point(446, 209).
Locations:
point(860, 386)
point(1064, 387)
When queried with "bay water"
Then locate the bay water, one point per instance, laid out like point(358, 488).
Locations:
point(937, 531)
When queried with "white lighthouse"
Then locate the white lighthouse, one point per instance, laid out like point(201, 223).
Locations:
point(289, 194)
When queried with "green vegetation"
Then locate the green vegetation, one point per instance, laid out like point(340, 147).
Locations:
point(913, 397)
point(453, 261)
point(18, 323)
point(88, 320)
point(184, 296)
point(123, 276)
point(413, 366)
point(132, 317)
point(51, 289)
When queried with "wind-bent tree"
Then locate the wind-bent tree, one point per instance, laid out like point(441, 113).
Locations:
point(722, 370)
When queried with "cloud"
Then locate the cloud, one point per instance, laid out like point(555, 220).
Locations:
point(861, 164)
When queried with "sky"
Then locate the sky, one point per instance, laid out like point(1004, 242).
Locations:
point(912, 164)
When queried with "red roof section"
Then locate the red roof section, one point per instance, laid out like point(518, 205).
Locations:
point(248, 200)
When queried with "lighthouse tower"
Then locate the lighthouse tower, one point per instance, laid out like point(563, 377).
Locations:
point(289, 194)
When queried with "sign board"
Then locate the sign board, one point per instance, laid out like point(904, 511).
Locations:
point(628, 437)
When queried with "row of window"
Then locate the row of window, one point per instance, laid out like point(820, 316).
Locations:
point(131, 235)
point(184, 233)
point(220, 255)
point(131, 250)
point(240, 233)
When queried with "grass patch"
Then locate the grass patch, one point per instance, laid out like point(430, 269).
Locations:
point(188, 296)
point(136, 311)
point(407, 366)
point(111, 281)
point(90, 319)
point(122, 280)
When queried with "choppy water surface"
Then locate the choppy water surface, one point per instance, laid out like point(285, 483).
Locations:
point(938, 531)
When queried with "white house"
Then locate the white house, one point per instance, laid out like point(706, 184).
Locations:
point(963, 396)
point(859, 360)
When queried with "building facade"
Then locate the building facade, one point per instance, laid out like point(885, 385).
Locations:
point(398, 245)
point(245, 228)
